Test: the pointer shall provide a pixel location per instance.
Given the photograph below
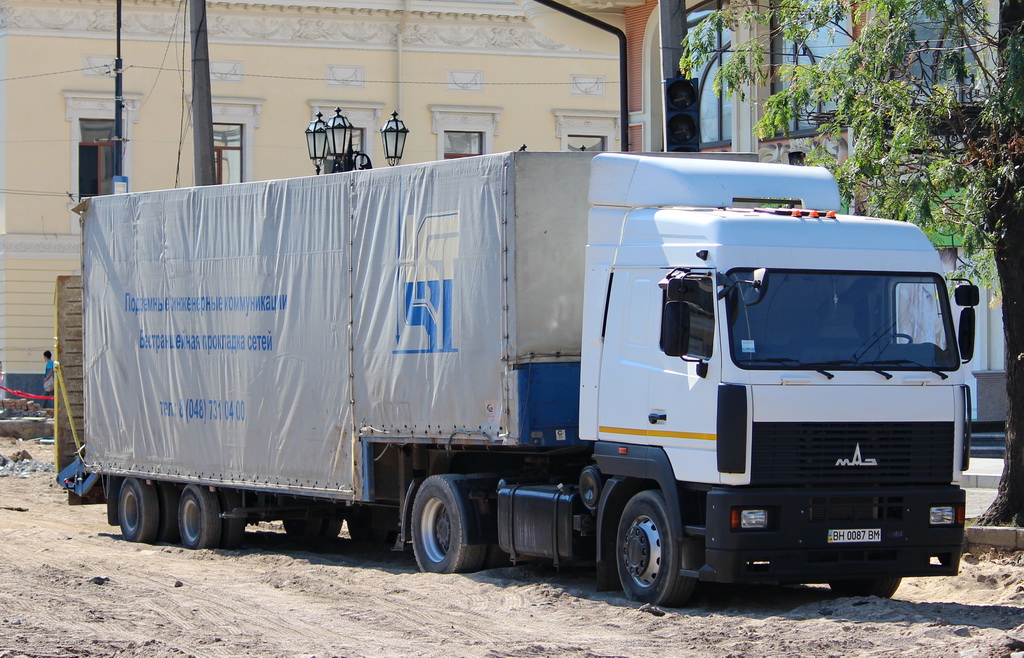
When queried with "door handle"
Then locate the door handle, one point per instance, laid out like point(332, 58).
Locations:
point(656, 417)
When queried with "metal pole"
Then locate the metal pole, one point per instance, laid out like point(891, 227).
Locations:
point(202, 106)
point(623, 68)
point(118, 102)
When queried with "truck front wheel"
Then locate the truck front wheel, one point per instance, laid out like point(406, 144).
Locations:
point(648, 559)
point(439, 530)
point(138, 510)
point(199, 518)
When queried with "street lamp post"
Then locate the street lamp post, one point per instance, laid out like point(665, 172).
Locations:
point(334, 138)
point(316, 141)
point(393, 135)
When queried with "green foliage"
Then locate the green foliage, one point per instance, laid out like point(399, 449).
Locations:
point(930, 94)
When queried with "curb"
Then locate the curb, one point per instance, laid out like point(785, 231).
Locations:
point(989, 537)
point(970, 481)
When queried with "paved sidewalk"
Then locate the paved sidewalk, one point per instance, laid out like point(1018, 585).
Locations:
point(980, 482)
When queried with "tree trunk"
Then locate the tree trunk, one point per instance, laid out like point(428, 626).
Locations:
point(1008, 507)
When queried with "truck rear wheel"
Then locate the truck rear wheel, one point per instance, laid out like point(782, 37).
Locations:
point(199, 518)
point(138, 511)
point(647, 558)
point(232, 531)
point(439, 538)
point(169, 496)
point(883, 588)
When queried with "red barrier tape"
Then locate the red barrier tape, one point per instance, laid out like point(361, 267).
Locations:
point(26, 395)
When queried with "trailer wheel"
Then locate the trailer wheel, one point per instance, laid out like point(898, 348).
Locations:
point(169, 496)
point(883, 588)
point(138, 511)
point(199, 518)
point(647, 558)
point(439, 530)
point(232, 531)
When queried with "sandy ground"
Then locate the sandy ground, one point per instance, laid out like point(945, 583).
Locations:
point(70, 586)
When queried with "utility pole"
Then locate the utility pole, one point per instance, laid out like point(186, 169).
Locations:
point(202, 105)
point(120, 183)
point(673, 31)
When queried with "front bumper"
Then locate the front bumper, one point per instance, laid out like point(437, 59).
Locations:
point(795, 548)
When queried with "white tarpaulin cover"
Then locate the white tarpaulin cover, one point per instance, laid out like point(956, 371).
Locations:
point(255, 333)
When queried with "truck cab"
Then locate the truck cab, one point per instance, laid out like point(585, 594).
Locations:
point(774, 389)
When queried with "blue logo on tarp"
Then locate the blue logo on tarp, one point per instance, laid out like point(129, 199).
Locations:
point(428, 252)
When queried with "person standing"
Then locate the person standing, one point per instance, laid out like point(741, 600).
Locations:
point(48, 386)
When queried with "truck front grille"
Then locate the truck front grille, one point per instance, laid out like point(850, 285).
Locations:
point(798, 454)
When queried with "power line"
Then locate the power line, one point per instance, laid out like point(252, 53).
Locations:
point(382, 82)
point(35, 193)
point(43, 75)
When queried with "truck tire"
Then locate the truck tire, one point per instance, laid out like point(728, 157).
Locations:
point(439, 530)
point(648, 560)
point(113, 500)
point(232, 531)
point(138, 511)
point(199, 518)
point(169, 496)
point(883, 588)
point(331, 528)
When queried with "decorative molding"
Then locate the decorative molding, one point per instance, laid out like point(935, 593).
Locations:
point(465, 118)
point(586, 85)
point(237, 110)
point(353, 77)
point(59, 247)
point(98, 66)
point(226, 71)
point(317, 26)
point(360, 113)
point(78, 103)
point(593, 123)
point(778, 151)
point(466, 81)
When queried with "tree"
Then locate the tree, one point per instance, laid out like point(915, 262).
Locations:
point(932, 93)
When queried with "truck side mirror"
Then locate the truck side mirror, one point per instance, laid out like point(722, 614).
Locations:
point(675, 328)
point(965, 333)
point(759, 283)
point(966, 294)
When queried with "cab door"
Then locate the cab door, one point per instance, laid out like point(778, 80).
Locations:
point(683, 387)
point(629, 356)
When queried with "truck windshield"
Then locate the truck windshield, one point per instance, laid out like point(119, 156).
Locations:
point(840, 321)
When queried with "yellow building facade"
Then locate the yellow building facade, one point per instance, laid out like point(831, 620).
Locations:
point(465, 77)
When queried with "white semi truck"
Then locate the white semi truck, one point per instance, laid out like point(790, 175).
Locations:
point(700, 373)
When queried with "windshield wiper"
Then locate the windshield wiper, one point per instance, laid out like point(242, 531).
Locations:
point(908, 362)
point(819, 366)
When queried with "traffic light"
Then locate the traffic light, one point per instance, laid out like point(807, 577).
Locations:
point(682, 115)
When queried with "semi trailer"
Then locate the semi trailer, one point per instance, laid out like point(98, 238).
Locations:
point(677, 370)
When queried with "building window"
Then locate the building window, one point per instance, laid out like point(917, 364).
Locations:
point(818, 45)
point(585, 143)
point(460, 144)
point(95, 157)
point(715, 110)
point(464, 130)
point(227, 152)
point(586, 130)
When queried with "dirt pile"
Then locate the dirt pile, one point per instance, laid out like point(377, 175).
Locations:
point(73, 587)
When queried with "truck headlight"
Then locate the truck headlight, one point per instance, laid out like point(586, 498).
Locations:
point(941, 515)
point(749, 519)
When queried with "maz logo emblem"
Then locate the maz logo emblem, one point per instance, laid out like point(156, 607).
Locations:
point(857, 460)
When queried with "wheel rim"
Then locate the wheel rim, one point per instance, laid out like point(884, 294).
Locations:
point(641, 551)
point(435, 530)
point(189, 521)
